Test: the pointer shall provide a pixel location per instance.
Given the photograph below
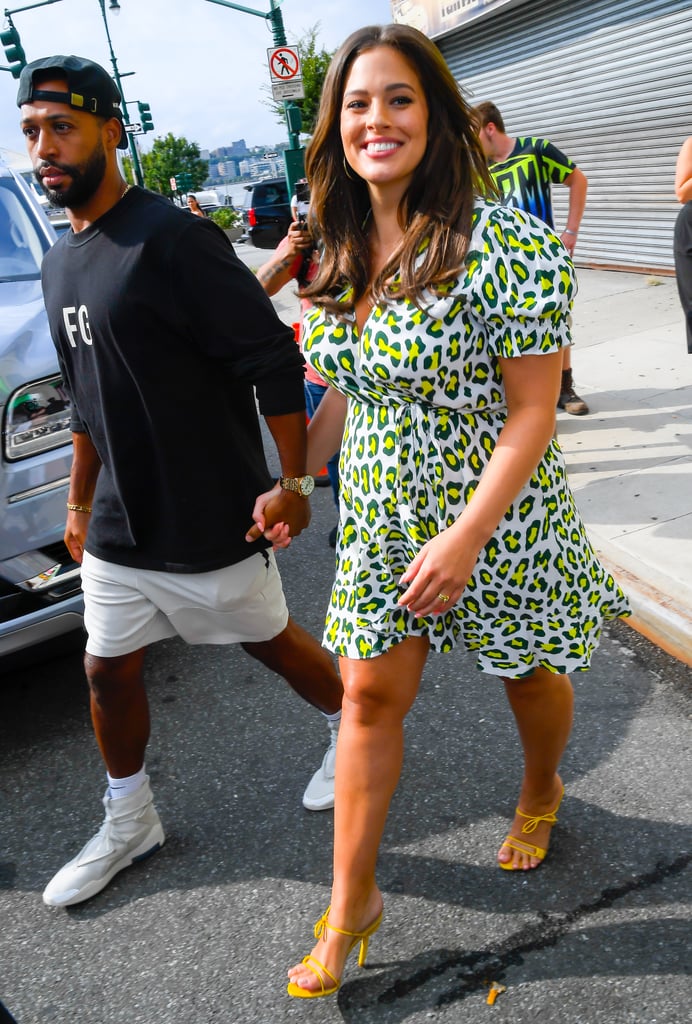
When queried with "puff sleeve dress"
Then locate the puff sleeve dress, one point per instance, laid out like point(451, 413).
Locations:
point(426, 404)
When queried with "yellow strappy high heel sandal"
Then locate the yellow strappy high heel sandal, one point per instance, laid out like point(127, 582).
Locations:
point(530, 825)
point(320, 971)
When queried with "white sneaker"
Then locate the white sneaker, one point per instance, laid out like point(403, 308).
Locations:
point(319, 795)
point(131, 831)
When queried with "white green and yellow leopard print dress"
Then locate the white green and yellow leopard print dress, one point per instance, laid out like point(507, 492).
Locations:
point(426, 406)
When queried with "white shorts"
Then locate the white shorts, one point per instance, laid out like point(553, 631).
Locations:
point(126, 608)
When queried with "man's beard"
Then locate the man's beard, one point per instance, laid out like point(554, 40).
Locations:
point(84, 183)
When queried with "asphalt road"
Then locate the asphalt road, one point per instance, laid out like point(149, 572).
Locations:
point(204, 931)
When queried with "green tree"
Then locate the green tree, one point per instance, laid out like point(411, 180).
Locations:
point(313, 64)
point(128, 169)
point(169, 157)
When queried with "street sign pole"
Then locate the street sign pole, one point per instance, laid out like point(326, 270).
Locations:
point(294, 156)
point(287, 86)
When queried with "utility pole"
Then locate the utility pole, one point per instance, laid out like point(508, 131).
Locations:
point(136, 166)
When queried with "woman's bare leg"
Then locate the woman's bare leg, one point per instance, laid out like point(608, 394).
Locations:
point(542, 704)
point(378, 693)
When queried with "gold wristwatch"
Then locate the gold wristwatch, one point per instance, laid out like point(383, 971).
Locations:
point(302, 485)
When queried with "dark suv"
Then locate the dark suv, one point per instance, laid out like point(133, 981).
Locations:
point(40, 595)
point(266, 212)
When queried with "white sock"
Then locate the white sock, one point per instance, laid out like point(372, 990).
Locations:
point(336, 717)
point(119, 788)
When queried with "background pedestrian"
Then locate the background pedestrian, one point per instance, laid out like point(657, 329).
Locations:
point(194, 207)
point(682, 243)
point(296, 259)
point(524, 169)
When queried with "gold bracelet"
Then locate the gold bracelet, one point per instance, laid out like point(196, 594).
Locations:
point(78, 508)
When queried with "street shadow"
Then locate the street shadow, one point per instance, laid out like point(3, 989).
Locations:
point(230, 754)
point(444, 977)
point(231, 751)
point(219, 716)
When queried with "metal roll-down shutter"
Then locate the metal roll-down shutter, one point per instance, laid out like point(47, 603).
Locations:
point(610, 83)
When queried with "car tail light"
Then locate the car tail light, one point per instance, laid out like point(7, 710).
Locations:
point(252, 217)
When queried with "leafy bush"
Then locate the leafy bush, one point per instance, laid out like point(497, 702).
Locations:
point(226, 217)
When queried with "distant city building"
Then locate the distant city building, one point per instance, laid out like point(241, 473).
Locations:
point(228, 163)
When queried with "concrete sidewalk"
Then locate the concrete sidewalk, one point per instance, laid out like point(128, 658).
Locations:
point(630, 459)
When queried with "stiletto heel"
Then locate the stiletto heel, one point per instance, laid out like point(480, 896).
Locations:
point(531, 824)
point(319, 970)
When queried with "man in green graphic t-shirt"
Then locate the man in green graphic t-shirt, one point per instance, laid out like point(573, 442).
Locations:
point(524, 170)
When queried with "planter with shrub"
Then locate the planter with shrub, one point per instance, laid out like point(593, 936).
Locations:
point(229, 220)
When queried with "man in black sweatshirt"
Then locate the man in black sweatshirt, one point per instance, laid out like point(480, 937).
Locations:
point(164, 339)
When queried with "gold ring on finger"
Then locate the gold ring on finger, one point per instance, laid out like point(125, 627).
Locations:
point(443, 597)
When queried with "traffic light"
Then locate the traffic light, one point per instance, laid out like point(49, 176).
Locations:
point(145, 117)
point(13, 49)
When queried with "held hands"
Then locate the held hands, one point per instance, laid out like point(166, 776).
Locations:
point(279, 516)
point(438, 575)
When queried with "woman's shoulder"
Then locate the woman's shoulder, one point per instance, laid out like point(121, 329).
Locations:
point(490, 216)
point(504, 231)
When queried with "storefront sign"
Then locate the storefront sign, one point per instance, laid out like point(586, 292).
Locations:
point(437, 17)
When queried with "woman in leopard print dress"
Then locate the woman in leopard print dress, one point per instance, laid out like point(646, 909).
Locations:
point(439, 319)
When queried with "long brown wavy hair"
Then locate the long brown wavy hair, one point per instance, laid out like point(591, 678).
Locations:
point(436, 207)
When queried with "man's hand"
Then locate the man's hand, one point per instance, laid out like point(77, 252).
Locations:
point(75, 534)
point(279, 515)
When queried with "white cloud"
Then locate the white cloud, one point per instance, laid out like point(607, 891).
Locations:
point(199, 65)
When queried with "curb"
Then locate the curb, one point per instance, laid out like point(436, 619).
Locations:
point(658, 616)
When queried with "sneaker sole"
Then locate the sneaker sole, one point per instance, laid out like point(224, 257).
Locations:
point(140, 853)
point(325, 804)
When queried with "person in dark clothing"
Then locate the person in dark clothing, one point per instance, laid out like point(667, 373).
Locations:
point(164, 338)
point(296, 258)
point(5, 1015)
point(682, 244)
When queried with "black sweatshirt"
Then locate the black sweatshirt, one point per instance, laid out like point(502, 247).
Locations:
point(163, 337)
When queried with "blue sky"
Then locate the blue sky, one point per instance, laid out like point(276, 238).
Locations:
point(199, 65)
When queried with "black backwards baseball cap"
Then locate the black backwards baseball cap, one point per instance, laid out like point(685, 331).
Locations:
point(90, 88)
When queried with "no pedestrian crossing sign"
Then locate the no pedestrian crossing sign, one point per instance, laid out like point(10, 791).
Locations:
point(285, 73)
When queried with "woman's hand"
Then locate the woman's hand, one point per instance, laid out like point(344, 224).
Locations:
point(445, 564)
point(439, 573)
